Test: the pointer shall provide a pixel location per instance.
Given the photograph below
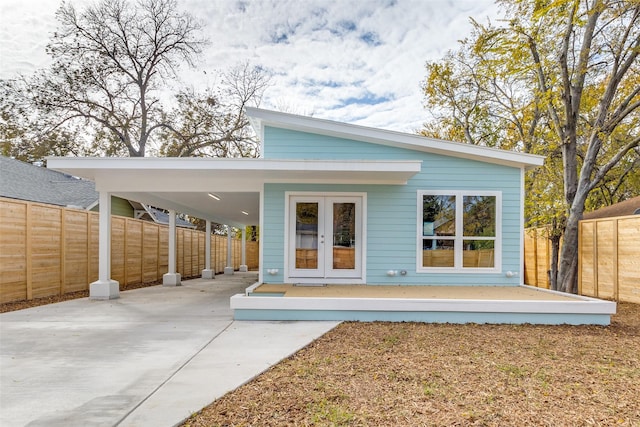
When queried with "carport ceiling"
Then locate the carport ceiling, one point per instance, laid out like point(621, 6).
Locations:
point(183, 184)
point(235, 209)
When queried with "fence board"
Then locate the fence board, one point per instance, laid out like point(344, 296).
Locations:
point(608, 258)
point(587, 263)
point(13, 251)
point(76, 256)
point(604, 259)
point(629, 259)
point(134, 251)
point(45, 250)
point(150, 255)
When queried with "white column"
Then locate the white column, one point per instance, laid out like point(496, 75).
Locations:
point(243, 264)
point(104, 288)
point(229, 268)
point(207, 273)
point(171, 277)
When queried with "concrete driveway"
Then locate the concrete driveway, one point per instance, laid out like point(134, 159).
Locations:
point(150, 358)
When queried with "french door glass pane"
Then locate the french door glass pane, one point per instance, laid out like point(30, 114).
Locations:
point(307, 235)
point(344, 236)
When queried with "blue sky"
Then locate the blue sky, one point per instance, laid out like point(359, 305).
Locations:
point(354, 61)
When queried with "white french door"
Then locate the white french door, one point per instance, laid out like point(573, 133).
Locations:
point(325, 237)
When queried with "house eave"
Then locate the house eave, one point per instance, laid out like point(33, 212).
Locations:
point(260, 118)
point(183, 184)
point(199, 174)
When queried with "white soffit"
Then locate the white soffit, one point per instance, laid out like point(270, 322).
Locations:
point(259, 118)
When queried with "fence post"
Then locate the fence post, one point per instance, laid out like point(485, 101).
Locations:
point(594, 257)
point(29, 253)
point(615, 259)
point(63, 251)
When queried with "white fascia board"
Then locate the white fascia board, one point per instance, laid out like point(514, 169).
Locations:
point(259, 118)
point(198, 174)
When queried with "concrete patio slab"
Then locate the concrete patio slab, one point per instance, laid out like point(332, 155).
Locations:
point(151, 357)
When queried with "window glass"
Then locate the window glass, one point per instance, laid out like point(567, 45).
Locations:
point(437, 253)
point(478, 254)
point(479, 216)
point(458, 230)
point(439, 215)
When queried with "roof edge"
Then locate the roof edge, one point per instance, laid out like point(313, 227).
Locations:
point(260, 117)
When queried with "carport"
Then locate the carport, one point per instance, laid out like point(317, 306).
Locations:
point(224, 191)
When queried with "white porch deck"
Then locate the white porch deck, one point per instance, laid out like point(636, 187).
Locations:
point(433, 304)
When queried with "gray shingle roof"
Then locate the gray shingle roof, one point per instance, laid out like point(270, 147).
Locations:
point(163, 218)
point(627, 207)
point(23, 181)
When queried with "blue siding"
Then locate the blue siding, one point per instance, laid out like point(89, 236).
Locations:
point(426, 317)
point(392, 210)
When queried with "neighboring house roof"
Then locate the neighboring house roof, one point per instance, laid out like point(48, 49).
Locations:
point(156, 215)
point(24, 181)
point(259, 118)
point(627, 207)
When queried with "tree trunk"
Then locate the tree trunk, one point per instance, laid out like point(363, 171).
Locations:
point(553, 272)
point(568, 269)
point(568, 265)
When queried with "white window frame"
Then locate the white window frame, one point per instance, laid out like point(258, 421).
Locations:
point(459, 237)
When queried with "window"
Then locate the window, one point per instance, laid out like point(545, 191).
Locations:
point(458, 231)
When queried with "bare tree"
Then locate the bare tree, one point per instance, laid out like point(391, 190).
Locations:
point(213, 122)
point(110, 61)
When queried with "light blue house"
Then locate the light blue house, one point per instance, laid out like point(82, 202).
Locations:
point(340, 205)
point(424, 212)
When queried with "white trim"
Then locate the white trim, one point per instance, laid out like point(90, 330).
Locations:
point(260, 118)
point(261, 265)
point(328, 195)
point(459, 237)
point(142, 174)
point(579, 306)
point(522, 196)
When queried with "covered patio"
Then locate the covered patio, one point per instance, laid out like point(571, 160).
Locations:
point(221, 191)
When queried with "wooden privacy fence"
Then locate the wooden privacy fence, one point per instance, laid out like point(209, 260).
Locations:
point(537, 257)
point(49, 250)
point(608, 258)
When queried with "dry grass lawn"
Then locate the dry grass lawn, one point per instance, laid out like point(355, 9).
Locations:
point(411, 374)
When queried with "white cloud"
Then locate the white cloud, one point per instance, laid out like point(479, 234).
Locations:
point(321, 52)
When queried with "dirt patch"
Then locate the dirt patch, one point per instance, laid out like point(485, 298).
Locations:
point(401, 374)
point(20, 305)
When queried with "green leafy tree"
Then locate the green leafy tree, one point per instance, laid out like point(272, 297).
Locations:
point(559, 78)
